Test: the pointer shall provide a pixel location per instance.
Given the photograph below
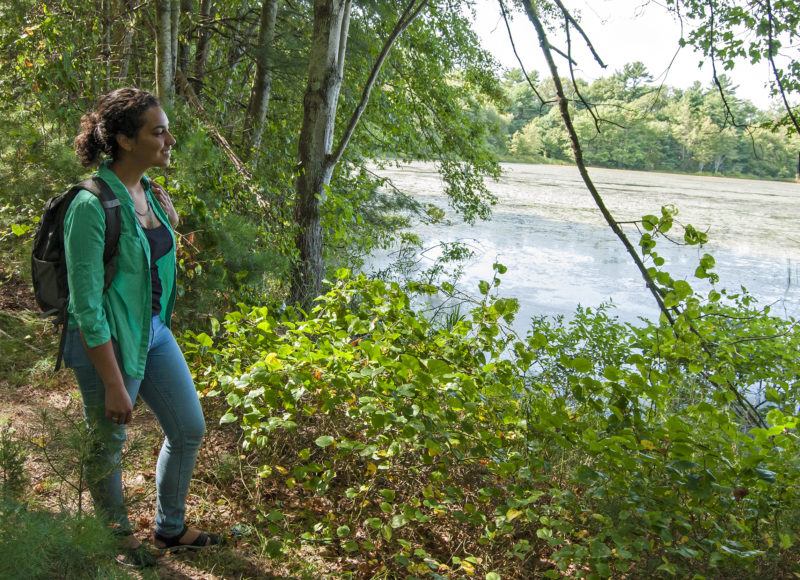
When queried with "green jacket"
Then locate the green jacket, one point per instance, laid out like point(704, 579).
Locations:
point(124, 311)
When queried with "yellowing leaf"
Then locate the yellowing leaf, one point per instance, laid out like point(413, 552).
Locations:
point(468, 568)
point(512, 514)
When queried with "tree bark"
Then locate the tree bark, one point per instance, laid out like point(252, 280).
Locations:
point(184, 48)
point(126, 45)
point(317, 159)
point(108, 26)
point(165, 84)
point(207, 11)
point(262, 83)
point(174, 22)
point(326, 62)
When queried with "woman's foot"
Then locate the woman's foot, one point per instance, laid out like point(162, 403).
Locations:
point(188, 539)
point(134, 554)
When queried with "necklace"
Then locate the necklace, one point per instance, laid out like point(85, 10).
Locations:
point(146, 215)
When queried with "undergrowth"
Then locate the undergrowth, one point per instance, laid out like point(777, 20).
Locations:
point(585, 449)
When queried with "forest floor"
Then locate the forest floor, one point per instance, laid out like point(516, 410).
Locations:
point(34, 400)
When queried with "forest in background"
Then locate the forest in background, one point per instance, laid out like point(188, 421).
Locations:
point(356, 434)
point(646, 126)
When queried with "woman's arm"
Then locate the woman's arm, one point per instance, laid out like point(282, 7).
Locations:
point(84, 243)
point(119, 407)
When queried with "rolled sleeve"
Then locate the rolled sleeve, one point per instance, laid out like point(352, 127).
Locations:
point(84, 242)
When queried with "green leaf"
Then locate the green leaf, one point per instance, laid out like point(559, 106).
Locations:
point(324, 441)
point(343, 531)
point(582, 365)
point(765, 475)
point(398, 521)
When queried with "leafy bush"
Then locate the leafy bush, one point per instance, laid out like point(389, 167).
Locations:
point(591, 448)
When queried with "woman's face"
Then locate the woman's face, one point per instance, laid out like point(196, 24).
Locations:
point(152, 145)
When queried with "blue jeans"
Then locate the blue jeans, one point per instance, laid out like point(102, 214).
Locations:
point(168, 390)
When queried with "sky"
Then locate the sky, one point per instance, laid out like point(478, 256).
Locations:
point(621, 31)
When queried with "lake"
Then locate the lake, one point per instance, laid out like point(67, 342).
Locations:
point(559, 253)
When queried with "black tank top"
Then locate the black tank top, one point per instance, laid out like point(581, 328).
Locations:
point(160, 243)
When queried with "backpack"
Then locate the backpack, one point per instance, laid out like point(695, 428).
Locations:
point(48, 263)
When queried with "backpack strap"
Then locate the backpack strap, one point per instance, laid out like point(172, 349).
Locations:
point(111, 204)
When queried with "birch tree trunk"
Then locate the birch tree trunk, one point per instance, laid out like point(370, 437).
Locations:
point(165, 84)
point(262, 83)
point(174, 21)
point(326, 62)
point(317, 158)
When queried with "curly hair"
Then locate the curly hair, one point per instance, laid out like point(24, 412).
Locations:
point(119, 112)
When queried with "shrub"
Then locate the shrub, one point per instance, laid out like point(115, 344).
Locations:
point(465, 449)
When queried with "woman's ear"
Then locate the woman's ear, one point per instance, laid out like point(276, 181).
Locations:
point(125, 143)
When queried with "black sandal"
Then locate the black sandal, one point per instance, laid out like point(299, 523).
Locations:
point(134, 558)
point(173, 543)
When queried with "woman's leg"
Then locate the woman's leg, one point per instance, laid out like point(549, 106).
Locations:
point(169, 391)
point(102, 469)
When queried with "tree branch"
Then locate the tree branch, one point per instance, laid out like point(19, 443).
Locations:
point(745, 405)
point(412, 10)
point(241, 167)
point(519, 60)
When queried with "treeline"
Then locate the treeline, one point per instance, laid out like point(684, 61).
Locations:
point(626, 121)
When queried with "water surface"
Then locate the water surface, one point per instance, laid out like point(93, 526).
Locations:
point(559, 253)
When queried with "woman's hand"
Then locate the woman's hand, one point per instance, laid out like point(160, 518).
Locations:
point(119, 408)
point(163, 198)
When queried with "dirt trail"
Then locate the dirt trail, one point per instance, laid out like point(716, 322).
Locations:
point(22, 403)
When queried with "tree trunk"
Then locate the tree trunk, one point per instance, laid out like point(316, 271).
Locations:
point(326, 62)
point(203, 49)
point(126, 44)
point(108, 25)
point(174, 22)
point(184, 50)
point(165, 84)
point(316, 159)
point(240, 38)
point(262, 83)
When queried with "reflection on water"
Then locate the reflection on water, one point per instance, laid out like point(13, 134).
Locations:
point(559, 253)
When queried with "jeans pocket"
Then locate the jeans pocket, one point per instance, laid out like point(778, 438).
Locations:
point(75, 354)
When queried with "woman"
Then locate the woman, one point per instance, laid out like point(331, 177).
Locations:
point(121, 346)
